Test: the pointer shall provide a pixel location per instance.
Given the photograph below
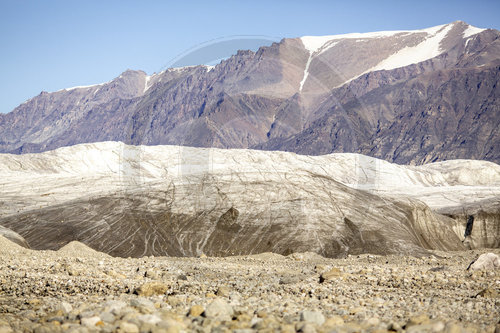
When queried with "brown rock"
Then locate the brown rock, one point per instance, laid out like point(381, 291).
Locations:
point(196, 310)
point(418, 320)
point(152, 288)
point(332, 274)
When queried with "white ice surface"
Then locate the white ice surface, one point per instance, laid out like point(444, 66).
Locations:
point(35, 180)
point(84, 87)
point(314, 43)
point(470, 31)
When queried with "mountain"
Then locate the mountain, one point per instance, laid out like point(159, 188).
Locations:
point(183, 201)
point(408, 97)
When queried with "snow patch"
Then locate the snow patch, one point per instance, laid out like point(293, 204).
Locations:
point(472, 31)
point(325, 47)
point(84, 87)
point(306, 71)
point(181, 69)
point(314, 43)
point(427, 49)
point(146, 82)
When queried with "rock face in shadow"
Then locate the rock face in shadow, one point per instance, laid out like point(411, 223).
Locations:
point(375, 94)
point(179, 201)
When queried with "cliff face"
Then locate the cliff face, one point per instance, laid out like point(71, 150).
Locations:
point(404, 96)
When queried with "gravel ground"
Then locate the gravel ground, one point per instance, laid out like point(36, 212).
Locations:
point(77, 289)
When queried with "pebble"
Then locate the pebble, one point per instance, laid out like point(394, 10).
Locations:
point(90, 321)
point(314, 317)
point(126, 327)
point(196, 310)
point(219, 309)
point(152, 288)
point(486, 261)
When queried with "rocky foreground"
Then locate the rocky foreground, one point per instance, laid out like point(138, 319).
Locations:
point(77, 289)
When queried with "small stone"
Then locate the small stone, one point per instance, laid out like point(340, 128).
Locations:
point(44, 329)
point(320, 268)
point(170, 326)
point(174, 301)
point(6, 329)
point(418, 320)
point(486, 261)
point(314, 317)
point(151, 274)
point(182, 277)
point(374, 321)
point(34, 302)
point(289, 279)
point(287, 328)
point(114, 306)
point(219, 309)
point(126, 327)
point(330, 275)
point(305, 327)
point(90, 321)
point(107, 317)
point(149, 319)
point(152, 288)
point(143, 304)
point(64, 307)
point(334, 321)
point(196, 310)
point(223, 291)
point(115, 275)
point(393, 326)
point(72, 271)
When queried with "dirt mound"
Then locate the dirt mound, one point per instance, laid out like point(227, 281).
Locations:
point(77, 249)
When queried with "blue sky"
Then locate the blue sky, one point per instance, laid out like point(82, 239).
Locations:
point(50, 45)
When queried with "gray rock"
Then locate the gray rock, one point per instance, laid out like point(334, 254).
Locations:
point(141, 302)
point(486, 261)
point(107, 317)
point(126, 327)
point(219, 309)
point(149, 318)
point(152, 288)
point(65, 307)
point(114, 306)
point(314, 317)
point(90, 321)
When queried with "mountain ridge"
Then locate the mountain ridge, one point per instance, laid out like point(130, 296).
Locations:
point(266, 99)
